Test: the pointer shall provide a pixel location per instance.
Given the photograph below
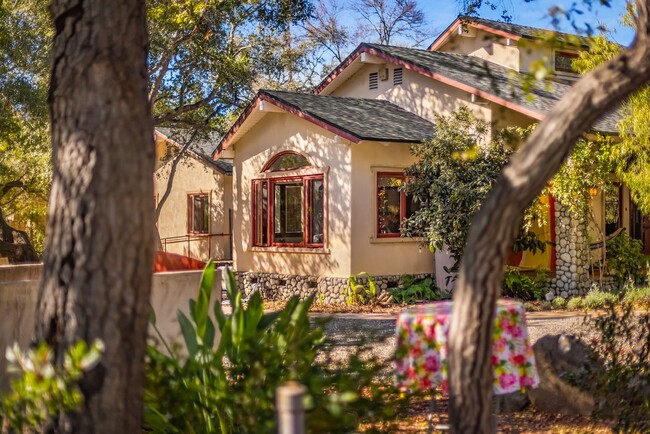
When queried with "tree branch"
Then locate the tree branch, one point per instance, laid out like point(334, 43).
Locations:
point(494, 227)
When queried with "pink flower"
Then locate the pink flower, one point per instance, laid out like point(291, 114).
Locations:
point(432, 364)
point(507, 380)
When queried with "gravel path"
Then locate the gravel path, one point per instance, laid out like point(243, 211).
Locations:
point(345, 331)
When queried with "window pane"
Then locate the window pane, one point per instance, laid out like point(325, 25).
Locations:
point(612, 210)
point(412, 205)
point(388, 204)
point(200, 214)
point(316, 212)
point(287, 211)
point(288, 162)
point(261, 213)
point(563, 61)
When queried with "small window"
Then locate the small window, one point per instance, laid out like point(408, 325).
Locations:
point(198, 213)
point(393, 205)
point(563, 61)
point(397, 76)
point(373, 80)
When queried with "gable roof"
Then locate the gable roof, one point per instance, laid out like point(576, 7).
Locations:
point(354, 119)
point(201, 148)
point(505, 30)
point(495, 83)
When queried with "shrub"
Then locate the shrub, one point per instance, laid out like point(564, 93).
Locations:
point(232, 388)
point(620, 378)
point(638, 297)
point(41, 391)
point(575, 303)
point(597, 299)
point(358, 293)
point(412, 290)
point(559, 303)
point(522, 286)
point(625, 259)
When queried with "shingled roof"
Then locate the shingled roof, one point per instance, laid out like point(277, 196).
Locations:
point(367, 119)
point(487, 79)
point(201, 148)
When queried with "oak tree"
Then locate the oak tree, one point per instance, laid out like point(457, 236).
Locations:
point(99, 252)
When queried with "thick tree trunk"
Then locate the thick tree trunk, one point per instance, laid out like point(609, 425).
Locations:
point(494, 228)
point(99, 253)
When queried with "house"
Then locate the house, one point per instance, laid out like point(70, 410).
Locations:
point(316, 176)
point(195, 219)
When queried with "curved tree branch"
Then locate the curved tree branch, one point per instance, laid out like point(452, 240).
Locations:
point(494, 227)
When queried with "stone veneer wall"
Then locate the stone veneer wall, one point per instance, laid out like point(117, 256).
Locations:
point(572, 254)
point(274, 286)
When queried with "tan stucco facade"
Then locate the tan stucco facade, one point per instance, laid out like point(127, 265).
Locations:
point(350, 189)
point(193, 176)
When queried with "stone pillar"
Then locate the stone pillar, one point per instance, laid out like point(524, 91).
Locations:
point(572, 253)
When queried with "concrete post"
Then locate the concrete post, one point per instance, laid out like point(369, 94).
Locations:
point(291, 414)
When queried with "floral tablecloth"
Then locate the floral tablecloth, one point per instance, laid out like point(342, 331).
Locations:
point(421, 354)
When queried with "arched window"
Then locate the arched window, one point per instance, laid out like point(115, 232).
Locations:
point(287, 160)
point(288, 210)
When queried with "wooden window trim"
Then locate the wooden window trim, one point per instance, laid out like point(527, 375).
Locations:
point(279, 155)
point(190, 213)
point(402, 205)
point(271, 182)
point(566, 54)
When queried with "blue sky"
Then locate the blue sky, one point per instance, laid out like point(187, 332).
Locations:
point(440, 13)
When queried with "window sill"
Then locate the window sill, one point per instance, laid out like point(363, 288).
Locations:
point(314, 250)
point(376, 240)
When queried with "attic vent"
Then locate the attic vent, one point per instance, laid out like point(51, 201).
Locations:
point(373, 80)
point(397, 76)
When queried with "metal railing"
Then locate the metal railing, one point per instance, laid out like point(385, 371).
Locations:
point(189, 239)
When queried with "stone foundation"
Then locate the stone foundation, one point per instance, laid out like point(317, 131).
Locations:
point(330, 290)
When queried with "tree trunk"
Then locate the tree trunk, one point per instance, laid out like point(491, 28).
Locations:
point(494, 228)
point(99, 253)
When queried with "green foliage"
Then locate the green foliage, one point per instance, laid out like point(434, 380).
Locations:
point(574, 303)
point(25, 38)
point(598, 299)
point(620, 376)
point(231, 388)
point(358, 293)
point(639, 297)
point(42, 390)
point(452, 176)
point(520, 285)
point(559, 303)
point(625, 259)
point(411, 290)
point(632, 152)
point(590, 165)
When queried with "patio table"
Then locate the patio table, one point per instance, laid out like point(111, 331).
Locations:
point(421, 353)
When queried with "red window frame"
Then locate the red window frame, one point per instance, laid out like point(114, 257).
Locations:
point(190, 213)
point(276, 157)
point(307, 181)
point(403, 202)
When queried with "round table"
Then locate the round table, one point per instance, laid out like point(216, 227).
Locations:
point(421, 353)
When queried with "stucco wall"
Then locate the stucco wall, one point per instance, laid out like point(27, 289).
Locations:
point(170, 292)
point(418, 94)
point(194, 176)
point(485, 46)
point(380, 256)
point(278, 132)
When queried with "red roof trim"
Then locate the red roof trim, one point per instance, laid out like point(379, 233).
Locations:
point(488, 96)
point(442, 38)
point(343, 65)
point(288, 108)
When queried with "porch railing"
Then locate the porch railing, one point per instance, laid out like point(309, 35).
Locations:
point(190, 239)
